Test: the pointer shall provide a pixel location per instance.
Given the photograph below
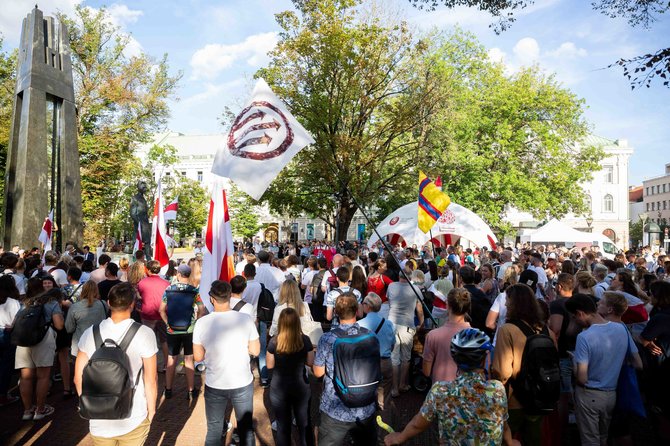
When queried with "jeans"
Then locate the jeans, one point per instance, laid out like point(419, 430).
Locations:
point(7, 351)
point(216, 402)
point(332, 432)
point(263, 334)
point(291, 397)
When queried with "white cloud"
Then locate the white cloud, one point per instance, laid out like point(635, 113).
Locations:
point(527, 51)
point(13, 12)
point(213, 92)
point(212, 59)
point(567, 50)
point(497, 55)
point(121, 15)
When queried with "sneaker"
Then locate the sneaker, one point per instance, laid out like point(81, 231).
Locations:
point(167, 393)
point(57, 377)
point(45, 412)
point(193, 394)
point(28, 415)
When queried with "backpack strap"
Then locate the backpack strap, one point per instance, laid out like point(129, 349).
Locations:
point(128, 337)
point(69, 296)
point(238, 306)
point(97, 339)
point(379, 327)
point(526, 329)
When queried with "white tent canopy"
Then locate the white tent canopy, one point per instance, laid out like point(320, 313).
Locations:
point(556, 232)
point(455, 221)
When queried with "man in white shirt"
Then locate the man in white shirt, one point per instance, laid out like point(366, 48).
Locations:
point(331, 298)
point(224, 339)
point(536, 265)
point(237, 303)
point(253, 289)
point(338, 261)
point(50, 262)
point(98, 275)
point(142, 355)
point(268, 275)
point(248, 257)
point(506, 262)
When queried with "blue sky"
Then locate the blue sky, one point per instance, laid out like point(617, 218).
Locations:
point(219, 44)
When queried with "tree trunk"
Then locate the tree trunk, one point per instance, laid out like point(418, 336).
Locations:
point(345, 214)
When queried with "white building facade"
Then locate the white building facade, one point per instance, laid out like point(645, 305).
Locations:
point(195, 155)
point(606, 196)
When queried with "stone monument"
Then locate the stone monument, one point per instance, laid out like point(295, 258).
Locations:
point(43, 162)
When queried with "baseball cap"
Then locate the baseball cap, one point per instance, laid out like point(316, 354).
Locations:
point(184, 270)
point(552, 255)
point(529, 277)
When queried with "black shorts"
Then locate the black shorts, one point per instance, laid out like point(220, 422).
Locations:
point(175, 343)
point(63, 339)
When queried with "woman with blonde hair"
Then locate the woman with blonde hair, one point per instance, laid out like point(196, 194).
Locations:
point(288, 353)
point(584, 283)
point(124, 264)
point(289, 297)
point(196, 271)
point(136, 272)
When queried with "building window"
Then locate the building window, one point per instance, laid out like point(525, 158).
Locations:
point(653, 206)
point(200, 175)
point(608, 203)
point(647, 207)
point(665, 205)
point(609, 174)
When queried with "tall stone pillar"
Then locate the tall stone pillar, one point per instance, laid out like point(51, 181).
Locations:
point(43, 161)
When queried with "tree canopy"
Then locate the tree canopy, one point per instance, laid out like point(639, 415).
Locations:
point(640, 70)
point(7, 87)
point(121, 99)
point(382, 103)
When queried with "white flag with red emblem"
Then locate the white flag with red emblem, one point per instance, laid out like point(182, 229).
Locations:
point(261, 141)
point(138, 238)
point(170, 211)
point(217, 259)
point(47, 231)
point(159, 234)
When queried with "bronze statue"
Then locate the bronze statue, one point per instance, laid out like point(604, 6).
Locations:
point(139, 212)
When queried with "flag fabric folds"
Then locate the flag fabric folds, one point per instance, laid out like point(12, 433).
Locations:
point(138, 238)
point(217, 261)
point(261, 141)
point(47, 231)
point(170, 211)
point(432, 203)
point(159, 233)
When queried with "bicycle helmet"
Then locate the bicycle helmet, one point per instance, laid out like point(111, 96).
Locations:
point(469, 348)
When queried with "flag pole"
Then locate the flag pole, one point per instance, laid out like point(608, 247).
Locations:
point(432, 243)
point(388, 248)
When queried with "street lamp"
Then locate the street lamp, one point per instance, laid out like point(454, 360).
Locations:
point(589, 222)
point(643, 219)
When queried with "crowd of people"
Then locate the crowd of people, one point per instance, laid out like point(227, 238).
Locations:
point(355, 319)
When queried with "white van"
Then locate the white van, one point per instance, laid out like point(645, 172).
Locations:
point(607, 246)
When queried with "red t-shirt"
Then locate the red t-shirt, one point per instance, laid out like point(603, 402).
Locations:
point(378, 285)
point(151, 290)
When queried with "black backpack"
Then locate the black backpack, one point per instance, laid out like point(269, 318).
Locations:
point(180, 308)
point(107, 384)
point(356, 367)
point(315, 287)
point(266, 305)
point(30, 326)
point(538, 384)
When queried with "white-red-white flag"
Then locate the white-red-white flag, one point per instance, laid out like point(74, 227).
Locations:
point(217, 260)
point(170, 211)
point(47, 231)
point(158, 233)
point(261, 141)
point(138, 238)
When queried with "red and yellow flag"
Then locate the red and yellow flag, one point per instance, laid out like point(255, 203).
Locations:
point(432, 203)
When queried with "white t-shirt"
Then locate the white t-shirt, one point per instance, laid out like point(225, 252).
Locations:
point(142, 346)
point(326, 276)
point(499, 306)
point(247, 308)
point(307, 278)
point(19, 280)
point(8, 312)
point(225, 336)
point(541, 280)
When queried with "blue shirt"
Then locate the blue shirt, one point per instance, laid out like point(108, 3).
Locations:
point(604, 347)
point(386, 334)
point(331, 404)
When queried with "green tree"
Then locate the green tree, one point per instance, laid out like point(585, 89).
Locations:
point(640, 70)
point(7, 87)
point(120, 101)
point(361, 86)
point(243, 214)
point(193, 206)
point(635, 231)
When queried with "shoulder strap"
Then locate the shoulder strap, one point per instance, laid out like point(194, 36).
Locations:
point(97, 339)
point(238, 306)
point(525, 328)
point(130, 334)
point(379, 327)
point(74, 291)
